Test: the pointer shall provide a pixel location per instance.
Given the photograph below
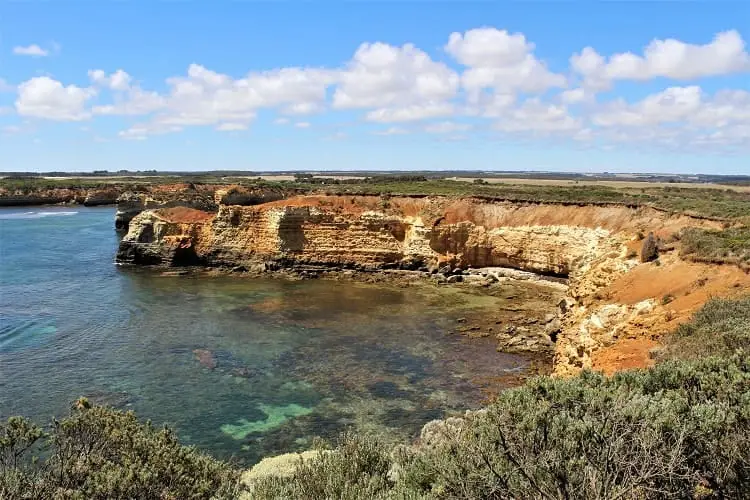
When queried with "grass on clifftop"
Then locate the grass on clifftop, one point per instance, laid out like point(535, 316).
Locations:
point(728, 246)
point(715, 203)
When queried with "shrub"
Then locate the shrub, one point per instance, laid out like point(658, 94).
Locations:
point(680, 430)
point(101, 453)
point(355, 469)
point(720, 328)
point(728, 246)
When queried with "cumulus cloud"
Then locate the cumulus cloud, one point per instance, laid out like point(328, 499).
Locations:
point(205, 97)
point(446, 127)
point(501, 82)
point(141, 131)
point(43, 97)
point(411, 113)
point(381, 76)
point(501, 61)
point(119, 80)
point(538, 118)
point(392, 131)
point(231, 127)
point(32, 50)
point(669, 58)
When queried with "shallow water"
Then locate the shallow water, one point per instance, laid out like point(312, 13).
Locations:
point(240, 367)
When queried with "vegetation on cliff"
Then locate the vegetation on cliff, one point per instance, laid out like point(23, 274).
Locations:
point(680, 429)
point(728, 246)
point(714, 203)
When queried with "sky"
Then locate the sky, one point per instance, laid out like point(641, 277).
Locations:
point(388, 85)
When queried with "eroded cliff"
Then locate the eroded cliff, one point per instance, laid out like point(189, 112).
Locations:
point(593, 246)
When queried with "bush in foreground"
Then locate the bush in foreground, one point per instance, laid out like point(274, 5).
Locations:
point(680, 430)
point(101, 453)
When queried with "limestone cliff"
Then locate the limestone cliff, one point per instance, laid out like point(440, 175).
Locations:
point(590, 245)
point(363, 237)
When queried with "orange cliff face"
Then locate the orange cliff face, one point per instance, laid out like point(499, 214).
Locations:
point(588, 244)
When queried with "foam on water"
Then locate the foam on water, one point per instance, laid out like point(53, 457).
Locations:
point(35, 214)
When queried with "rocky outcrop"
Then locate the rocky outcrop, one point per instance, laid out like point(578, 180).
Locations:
point(204, 197)
point(97, 197)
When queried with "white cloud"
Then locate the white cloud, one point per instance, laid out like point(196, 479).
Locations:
point(32, 50)
point(538, 118)
point(446, 127)
point(141, 131)
point(683, 118)
point(303, 108)
point(135, 102)
point(231, 127)
point(205, 97)
point(574, 96)
point(119, 80)
point(43, 97)
point(501, 79)
point(672, 105)
point(414, 112)
point(129, 98)
point(392, 131)
point(500, 61)
point(669, 58)
point(381, 75)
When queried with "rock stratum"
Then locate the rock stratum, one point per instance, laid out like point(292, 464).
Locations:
point(614, 310)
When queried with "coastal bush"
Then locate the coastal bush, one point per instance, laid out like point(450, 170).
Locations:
point(681, 429)
point(356, 469)
point(720, 328)
point(101, 453)
point(727, 246)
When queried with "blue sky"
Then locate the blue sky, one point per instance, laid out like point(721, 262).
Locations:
point(375, 85)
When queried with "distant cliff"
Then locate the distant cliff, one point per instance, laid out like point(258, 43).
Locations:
point(55, 196)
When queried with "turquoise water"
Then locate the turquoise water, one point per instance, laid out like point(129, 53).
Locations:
point(240, 367)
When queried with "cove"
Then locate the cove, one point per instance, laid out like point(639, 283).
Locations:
point(240, 367)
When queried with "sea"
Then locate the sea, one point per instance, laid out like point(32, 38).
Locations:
point(242, 368)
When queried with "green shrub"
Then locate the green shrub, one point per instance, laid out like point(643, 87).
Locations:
point(727, 246)
point(356, 469)
point(681, 429)
point(720, 328)
point(101, 453)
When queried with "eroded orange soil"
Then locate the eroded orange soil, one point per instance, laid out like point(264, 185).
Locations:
point(680, 288)
point(185, 215)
